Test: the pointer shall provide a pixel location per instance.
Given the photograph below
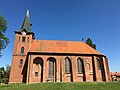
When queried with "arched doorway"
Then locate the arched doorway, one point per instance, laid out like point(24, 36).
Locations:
point(38, 69)
point(51, 69)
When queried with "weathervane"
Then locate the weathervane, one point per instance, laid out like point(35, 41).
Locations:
point(27, 4)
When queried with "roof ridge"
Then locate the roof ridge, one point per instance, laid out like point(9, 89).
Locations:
point(62, 41)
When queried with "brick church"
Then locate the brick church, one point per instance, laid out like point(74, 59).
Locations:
point(36, 61)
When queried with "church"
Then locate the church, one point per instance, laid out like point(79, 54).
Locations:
point(37, 61)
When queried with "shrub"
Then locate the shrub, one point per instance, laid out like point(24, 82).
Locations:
point(4, 80)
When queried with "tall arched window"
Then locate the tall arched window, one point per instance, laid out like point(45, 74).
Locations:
point(51, 68)
point(98, 64)
point(80, 65)
point(21, 62)
point(22, 50)
point(67, 65)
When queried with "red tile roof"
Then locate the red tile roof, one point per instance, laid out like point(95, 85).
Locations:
point(115, 73)
point(57, 46)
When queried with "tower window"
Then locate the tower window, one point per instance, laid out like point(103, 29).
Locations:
point(27, 39)
point(22, 50)
point(23, 39)
point(21, 62)
point(19, 39)
point(36, 74)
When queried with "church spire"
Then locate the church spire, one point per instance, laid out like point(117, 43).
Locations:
point(26, 23)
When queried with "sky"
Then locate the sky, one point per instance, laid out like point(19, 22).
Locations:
point(67, 20)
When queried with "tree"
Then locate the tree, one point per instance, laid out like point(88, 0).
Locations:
point(2, 71)
point(4, 74)
point(7, 71)
point(90, 43)
point(3, 39)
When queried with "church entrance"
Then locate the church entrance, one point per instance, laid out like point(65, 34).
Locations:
point(38, 69)
point(51, 69)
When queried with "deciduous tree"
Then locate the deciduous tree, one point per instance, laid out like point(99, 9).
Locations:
point(3, 39)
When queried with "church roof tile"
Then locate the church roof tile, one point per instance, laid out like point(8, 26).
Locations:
point(57, 46)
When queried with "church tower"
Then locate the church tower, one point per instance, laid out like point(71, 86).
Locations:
point(23, 40)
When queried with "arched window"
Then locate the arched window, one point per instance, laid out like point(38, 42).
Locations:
point(80, 65)
point(67, 65)
point(22, 50)
point(51, 68)
point(23, 39)
point(98, 64)
point(21, 62)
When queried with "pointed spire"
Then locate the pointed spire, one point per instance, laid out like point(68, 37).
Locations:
point(26, 24)
point(27, 13)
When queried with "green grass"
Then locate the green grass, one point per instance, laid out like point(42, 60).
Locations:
point(64, 86)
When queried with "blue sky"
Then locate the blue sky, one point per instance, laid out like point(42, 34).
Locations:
point(67, 20)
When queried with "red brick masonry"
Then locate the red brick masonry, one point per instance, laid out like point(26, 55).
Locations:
point(44, 51)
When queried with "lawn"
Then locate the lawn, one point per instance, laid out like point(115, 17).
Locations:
point(64, 86)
